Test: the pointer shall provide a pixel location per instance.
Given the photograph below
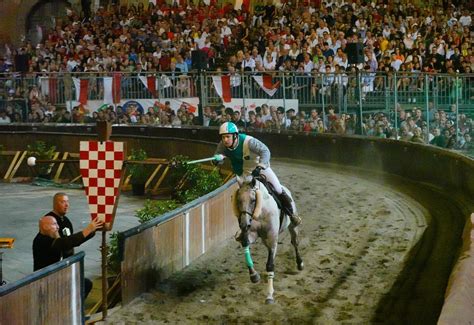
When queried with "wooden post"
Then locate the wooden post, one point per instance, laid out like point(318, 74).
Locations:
point(104, 249)
point(1, 270)
point(104, 130)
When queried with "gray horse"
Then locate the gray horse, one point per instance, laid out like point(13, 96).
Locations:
point(259, 216)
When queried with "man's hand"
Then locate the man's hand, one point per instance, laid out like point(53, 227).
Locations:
point(92, 227)
point(219, 158)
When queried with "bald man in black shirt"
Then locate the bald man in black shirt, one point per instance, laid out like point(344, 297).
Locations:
point(48, 245)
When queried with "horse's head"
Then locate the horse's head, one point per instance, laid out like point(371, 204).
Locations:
point(247, 202)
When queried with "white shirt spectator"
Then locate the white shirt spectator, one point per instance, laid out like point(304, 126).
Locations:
point(250, 63)
point(465, 20)
point(258, 59)
point(269, 63)
point(200, 42)
point(293, 53)
point(343, 63)
point(320, 31)
point(71, 64)
point(428, 20)
point(440, 49)
point(225, 31)
point(408, 41)
point(5, 119)
point(157, 53)
point(386, 32)
point(313, 43)
point(308, 66)
point(396, 64)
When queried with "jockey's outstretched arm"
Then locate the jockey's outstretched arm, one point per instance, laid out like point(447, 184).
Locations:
point(220, 150)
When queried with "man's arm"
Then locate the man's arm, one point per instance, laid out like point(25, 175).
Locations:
point(220, 150)
point(67, 243)
point(261, 150)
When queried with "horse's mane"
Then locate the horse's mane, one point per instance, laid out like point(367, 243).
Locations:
point(261, 192)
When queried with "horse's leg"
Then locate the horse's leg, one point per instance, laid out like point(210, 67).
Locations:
point(254, 276)
point(271, 271)
point(295, 242)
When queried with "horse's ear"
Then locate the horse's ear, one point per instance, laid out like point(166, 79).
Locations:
point(240, 180)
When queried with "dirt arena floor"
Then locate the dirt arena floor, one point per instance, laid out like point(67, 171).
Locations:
point(355, 237)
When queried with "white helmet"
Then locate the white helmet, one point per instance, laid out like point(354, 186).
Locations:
point(228, 127)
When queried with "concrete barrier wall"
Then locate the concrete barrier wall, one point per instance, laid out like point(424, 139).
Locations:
point(52, 295)
point(440, 169)
point(459, 300)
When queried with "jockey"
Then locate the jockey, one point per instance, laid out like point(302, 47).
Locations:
point(251, 156)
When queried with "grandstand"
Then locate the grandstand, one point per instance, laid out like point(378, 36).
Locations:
point(365, 61)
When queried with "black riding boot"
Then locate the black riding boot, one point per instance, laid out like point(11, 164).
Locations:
point(288, 208)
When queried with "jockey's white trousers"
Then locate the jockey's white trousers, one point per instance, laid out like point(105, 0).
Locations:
point(272, 179)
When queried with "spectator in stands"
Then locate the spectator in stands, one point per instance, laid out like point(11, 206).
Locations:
point(4, 118)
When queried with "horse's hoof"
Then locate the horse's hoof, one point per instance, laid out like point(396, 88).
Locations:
point(301, 266)
point(255, 278)
point(269, 301)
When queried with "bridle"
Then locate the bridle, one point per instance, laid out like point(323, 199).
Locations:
point(252, 202)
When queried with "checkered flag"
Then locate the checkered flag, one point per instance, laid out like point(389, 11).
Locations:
point(101, 169)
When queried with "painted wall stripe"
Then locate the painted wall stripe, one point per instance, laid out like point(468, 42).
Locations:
point(186, 235)
point(203, 228)
point(74, 312)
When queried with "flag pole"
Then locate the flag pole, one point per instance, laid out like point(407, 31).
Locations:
point(104, 130)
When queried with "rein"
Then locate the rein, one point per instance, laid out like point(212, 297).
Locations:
point(254, 203)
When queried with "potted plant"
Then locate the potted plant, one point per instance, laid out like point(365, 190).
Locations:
point(42, 151)
point(139, 173)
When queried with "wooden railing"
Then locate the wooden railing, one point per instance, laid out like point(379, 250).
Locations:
point(52, 295)
point(154, 250)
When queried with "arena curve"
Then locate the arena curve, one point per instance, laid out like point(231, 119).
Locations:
point(415, 162)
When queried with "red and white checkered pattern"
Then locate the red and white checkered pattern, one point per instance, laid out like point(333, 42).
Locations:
point(101, 169)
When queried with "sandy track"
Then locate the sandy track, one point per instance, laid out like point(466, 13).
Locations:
point(355, 237)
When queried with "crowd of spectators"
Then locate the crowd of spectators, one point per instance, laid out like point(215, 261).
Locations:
point(302, 36)
point(296, 36)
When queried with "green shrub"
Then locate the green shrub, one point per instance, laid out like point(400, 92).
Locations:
point(138, 173)
point(155, 208)
point(113, 261)
point(42, 151)
point(199, 182)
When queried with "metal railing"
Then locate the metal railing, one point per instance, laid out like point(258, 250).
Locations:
point(345, 91)
point(367, 102)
